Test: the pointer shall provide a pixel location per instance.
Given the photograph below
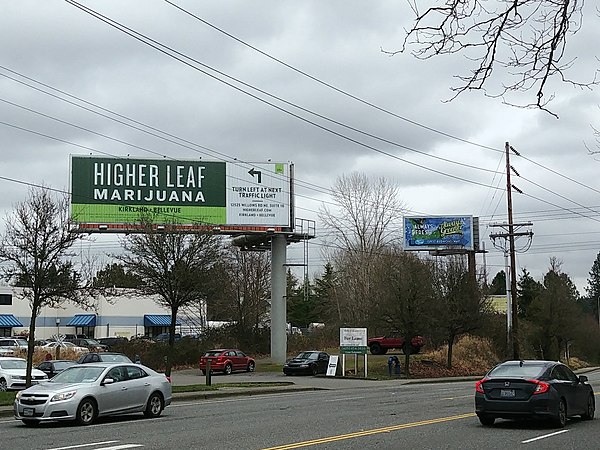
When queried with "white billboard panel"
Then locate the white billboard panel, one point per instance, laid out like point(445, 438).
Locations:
point(258, 194)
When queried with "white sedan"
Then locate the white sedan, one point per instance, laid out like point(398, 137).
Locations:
point(12, 374)
point(65, 346)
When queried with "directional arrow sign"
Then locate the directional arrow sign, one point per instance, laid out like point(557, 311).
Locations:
point(258, 174)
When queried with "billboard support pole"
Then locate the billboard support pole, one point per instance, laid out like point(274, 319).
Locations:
point(278, 300)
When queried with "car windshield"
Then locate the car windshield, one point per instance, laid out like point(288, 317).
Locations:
point(22, 342)
point(213, 353)
point(107, 357)
point(62, 365)
point(92, 341)
point(517, 370)
point(308, 355)
point(13, 364)
point(78, 374)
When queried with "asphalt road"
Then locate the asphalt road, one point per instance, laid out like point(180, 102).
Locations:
point(377, 415)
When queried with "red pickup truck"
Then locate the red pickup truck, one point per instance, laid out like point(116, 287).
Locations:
point(381, 344)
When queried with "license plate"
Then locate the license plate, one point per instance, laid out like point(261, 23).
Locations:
point(507, 393)
point(28, 412)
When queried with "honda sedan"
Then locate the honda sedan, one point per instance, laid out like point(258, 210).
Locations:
point(307, 363)
point(83, 393)
point(533, 389)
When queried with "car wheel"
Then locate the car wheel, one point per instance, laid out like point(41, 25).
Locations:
point(251, 367)
point(30, 423)
point(375, 349)
point(3, 385)
point(561, 416)
point(228, 369)
point(486, 421)
point(154, 406)
point(591, 408)
point(314, 369)
point(86, 412)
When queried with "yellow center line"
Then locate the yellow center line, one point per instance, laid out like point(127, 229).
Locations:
point(389, 429)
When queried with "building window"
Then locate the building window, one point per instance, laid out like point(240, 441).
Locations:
point(6, 299)
point(5, 332)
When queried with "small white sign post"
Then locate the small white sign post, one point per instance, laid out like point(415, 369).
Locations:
point(353, 341)
point(332, 366)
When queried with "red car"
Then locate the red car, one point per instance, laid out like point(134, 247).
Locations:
point(227, 360)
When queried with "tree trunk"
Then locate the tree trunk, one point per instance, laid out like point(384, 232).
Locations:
point(169, 361)
point(450, 347)
point(30, 345)
point(407, 361)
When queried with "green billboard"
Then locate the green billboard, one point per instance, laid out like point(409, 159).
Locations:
point(119, 190)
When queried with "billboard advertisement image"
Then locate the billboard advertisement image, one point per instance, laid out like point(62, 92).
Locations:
point(118, 190)
point(438, 233)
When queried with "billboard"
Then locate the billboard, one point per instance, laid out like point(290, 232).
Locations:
point(438, 233)
point(117, 190)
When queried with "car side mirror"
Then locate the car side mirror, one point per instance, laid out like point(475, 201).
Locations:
point(107, 381)
point(583, 379)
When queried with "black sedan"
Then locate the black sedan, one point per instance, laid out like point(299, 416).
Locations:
point(111, 357)
point(54, 366)
point(534, 390)
point(307, 363)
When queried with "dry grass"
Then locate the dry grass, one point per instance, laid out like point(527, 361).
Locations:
point(471, 356)
point(39, 355)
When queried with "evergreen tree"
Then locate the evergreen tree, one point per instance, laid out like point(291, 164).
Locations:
point(498, 286)
point(527, 290)
point(115, 275)
point(593, 288)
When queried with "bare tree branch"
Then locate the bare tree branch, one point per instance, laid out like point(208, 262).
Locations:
point(526, 39)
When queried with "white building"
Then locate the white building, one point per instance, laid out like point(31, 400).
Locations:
point(123, 315)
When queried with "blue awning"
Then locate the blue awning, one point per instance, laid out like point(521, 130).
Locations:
point(83, 320)
point(9, 321)
point(158, 320)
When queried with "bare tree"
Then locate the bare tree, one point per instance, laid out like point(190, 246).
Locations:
point(174, 267)
point(35, 248)
point(528, 38)
point(460, 304)
point(366, 219)
point(242, 293)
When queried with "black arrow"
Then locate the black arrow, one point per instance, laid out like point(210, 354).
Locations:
point(256, 172)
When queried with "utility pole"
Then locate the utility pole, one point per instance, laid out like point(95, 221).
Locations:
point(511, 275)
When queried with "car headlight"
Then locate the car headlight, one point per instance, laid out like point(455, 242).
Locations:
point(18, 396)
point(304, 365)
point(63, 396)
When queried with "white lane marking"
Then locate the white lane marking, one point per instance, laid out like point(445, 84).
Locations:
point(119, 447)
point(343, 399)
point(544, 436)
point(83, 445)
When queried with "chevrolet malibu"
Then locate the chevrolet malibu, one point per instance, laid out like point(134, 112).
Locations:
point(82, 393)
point(533, 389)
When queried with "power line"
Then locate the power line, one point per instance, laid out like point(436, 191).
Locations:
point(157, 46)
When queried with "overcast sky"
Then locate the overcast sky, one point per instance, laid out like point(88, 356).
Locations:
point(338, 42)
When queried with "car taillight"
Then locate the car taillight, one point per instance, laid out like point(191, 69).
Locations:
point(541, 386)
point(479, 385)
point(168, 379)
